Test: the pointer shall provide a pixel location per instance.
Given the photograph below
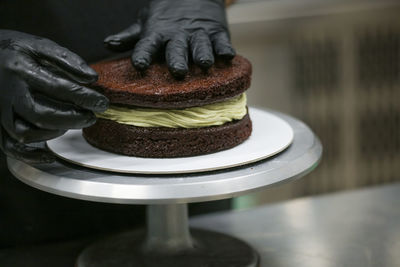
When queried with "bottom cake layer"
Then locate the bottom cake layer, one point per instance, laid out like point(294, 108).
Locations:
point(162, 142)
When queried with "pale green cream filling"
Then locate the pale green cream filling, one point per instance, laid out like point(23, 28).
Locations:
point(194, 117)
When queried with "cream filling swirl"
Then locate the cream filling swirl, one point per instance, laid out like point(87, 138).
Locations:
point(194, 117)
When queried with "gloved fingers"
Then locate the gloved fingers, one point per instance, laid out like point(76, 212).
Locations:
point(222, 45)
point(201, 48)
point(56, 87)
point(53, 115)
point(124, 40)
point(144, 51)
point(65, 61)
point(25, 132)
point(23, 152)
point(176, 55)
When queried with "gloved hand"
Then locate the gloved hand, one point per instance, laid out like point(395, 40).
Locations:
point(177, 26)
point(41, 94)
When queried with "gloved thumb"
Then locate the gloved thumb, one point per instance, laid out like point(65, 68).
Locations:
point(33, 154)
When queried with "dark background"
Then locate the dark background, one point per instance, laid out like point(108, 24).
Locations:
point(28, 215)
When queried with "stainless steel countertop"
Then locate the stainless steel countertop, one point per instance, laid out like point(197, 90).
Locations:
point(354, 228)
point(357, 228)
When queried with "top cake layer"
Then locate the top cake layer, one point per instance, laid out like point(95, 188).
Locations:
point(156, 88)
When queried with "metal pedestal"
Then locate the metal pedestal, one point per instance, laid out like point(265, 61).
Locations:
point(168, 241)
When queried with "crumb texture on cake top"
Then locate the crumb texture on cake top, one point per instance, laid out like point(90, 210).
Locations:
point(156, 88)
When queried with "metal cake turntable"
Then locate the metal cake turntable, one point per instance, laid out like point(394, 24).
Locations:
point(168, 240)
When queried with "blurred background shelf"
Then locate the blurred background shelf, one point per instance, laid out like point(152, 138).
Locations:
point(336, 65)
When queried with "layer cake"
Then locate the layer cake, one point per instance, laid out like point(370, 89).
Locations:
point(154, 115)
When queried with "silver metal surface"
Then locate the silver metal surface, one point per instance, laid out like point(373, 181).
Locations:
point(77, 182)
point(359, 228)
point(168, 228)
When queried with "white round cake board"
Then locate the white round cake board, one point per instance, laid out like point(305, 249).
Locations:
point(270, 136)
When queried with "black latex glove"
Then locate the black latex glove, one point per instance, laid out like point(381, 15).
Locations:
point(41, 95)
point(179, 27)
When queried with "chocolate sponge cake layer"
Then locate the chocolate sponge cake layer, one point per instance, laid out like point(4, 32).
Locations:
point(156, 88)
point(161, 142)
